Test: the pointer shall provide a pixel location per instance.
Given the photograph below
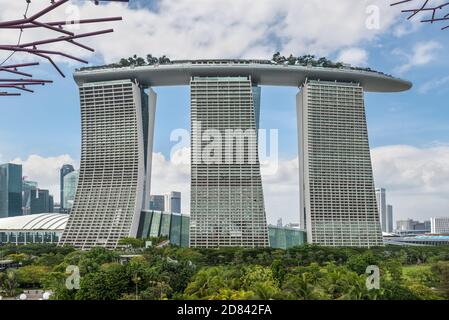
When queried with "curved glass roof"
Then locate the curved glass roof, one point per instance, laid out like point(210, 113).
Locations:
point(44, 222)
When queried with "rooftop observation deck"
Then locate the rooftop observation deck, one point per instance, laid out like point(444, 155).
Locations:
point(262, 72)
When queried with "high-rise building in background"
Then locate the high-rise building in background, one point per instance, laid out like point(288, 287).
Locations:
point(70, 184)
point(227, 203)
point(51, 204)
point(337, 200)
point(27, 186)
point(385, 210)
point(172, 202)
point(117, 119)
point(390, 226)
point(440, 225)
point(157, 203)
point(65, 170)
point(41, 201)
point(169, 202)
point(10, 190)
point(381, 198)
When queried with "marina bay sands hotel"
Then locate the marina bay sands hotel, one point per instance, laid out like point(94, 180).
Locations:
point(337, 196)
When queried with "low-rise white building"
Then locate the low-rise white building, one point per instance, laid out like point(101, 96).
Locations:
point(439, 225)
point(36, 228)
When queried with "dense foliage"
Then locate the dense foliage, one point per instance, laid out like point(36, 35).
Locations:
point(301, 273)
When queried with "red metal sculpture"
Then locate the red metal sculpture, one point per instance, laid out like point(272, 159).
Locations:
point(19, 84)
point(438, 12)
point(35, 47)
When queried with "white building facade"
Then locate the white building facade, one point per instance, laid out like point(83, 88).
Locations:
point(117, 119)
point(337, 198)
point(385, 211)
point(439, 225)
point(227, 203)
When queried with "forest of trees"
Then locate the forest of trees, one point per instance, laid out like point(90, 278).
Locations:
point(301, 273)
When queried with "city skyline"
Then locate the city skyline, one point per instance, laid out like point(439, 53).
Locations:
point(404, 131)
point(236, 150)
point(172, 200)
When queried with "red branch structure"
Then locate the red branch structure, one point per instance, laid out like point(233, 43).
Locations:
point(19, 84)
point(34, 48)
point(439, 13)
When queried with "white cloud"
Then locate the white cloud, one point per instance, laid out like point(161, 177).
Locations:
point(417, 179)
point(423, 53)
point(281, 192)
point(434, 85)
point(354, 56)
point(172, 175)
point(406, 28)
point(45, 171)
point(233, 28)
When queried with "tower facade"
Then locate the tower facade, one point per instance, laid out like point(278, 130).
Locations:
point(27, 187)
point(337, 198)
point(390, 218)
point(381, 199)
point(227, 204)
point(10, 190)
point(172, 202)
point(65, 170)
point(157, 202)
point(70, 183)
point(41, 201)
point(117, 119)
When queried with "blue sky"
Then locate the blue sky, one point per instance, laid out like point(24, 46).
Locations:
point(409, 132)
